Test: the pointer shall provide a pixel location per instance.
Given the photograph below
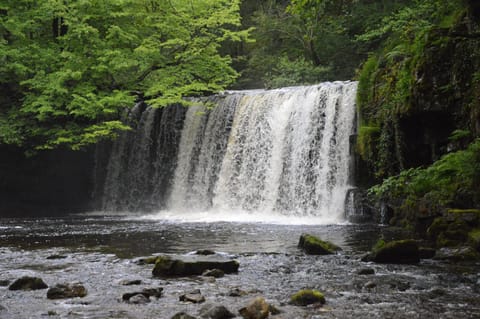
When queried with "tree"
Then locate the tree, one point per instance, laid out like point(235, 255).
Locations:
point(70, 68)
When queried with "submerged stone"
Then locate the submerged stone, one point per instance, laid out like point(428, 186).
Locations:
point(193, 297)
point(307, 297)
point(147, 293)
point(64, 291)
point(28, 283)
point(395, 252)
point(166, 266)
point(366, 271)
point(315, 246)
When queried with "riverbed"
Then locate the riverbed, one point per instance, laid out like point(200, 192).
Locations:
point(102, 252)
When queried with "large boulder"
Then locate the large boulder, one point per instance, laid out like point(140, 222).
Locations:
point(64, 291)
point(28, 283)
point(315, 246)
point(307, 297)
point(395, 252)
point(192, 265)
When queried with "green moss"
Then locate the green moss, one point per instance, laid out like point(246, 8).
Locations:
point(464, 211)
point(315, 246)
point(474, 238)
point(306, 297)
point(367, 142)
point(438, 226)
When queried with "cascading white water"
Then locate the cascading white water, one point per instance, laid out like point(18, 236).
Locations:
point(254, 156)
point(287, 153)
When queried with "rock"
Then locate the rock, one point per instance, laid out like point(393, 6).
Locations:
point(426, 253)
point(215, 312)
point(395, 252)
point(147, 293)
point(204, 252)
point(306, 297)
point(366, 271)
point(257, 309)
point(457, 254)
point(237, 292)
point(217, 273)
point(315, 246)
point(138, 299)
point(192, 265)
point(370, 285)
point(28, 283)
point(130, 282)
point(4, 283)
point(56, 257)
point(182, 315)
point(194, 297)
point(64, 291)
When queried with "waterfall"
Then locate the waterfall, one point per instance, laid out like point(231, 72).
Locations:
point(282, 152)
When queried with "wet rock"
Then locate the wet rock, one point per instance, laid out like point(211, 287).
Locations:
point(56, 257)
point(65, 291)
point(257, 309)
point(28, 283)
point(457, 254)
point(138, 299)
point(192, 265)
point(182, 315)
point(217, 273)
point(426, 253)
point(370, 285)
point(205, 252)
point(209, 279)
point(306, 297)
point(366, 271)
point(147, 293)
point(4, 283)
point(400, 285)
point(237, 292)
point(315, 246)
point(436, 293)
point(395, 252)
point(193, 297)
point(211, 311)
point(130, 282)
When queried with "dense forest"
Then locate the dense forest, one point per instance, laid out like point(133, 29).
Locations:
point(71, 70)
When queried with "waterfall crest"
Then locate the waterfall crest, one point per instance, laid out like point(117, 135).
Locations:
point(283, 152)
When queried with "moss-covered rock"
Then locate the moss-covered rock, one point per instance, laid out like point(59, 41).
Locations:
point(307, 297)
point(315, 246)
point(395, 252)
point(193, 265)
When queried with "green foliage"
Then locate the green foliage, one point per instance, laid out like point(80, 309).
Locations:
point(69, 69)
point(367, 142)
point(439, 182)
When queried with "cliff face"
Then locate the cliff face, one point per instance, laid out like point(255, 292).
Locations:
point(419, 100)
point(50, 183)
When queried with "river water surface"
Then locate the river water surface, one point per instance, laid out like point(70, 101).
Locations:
point(101, 251)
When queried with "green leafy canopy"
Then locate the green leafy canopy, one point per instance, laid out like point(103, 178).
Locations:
point(69, 69)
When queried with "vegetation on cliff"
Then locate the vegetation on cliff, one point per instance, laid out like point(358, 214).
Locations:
point(419, 111)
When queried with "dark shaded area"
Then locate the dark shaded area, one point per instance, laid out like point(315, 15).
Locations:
point(50, 183)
